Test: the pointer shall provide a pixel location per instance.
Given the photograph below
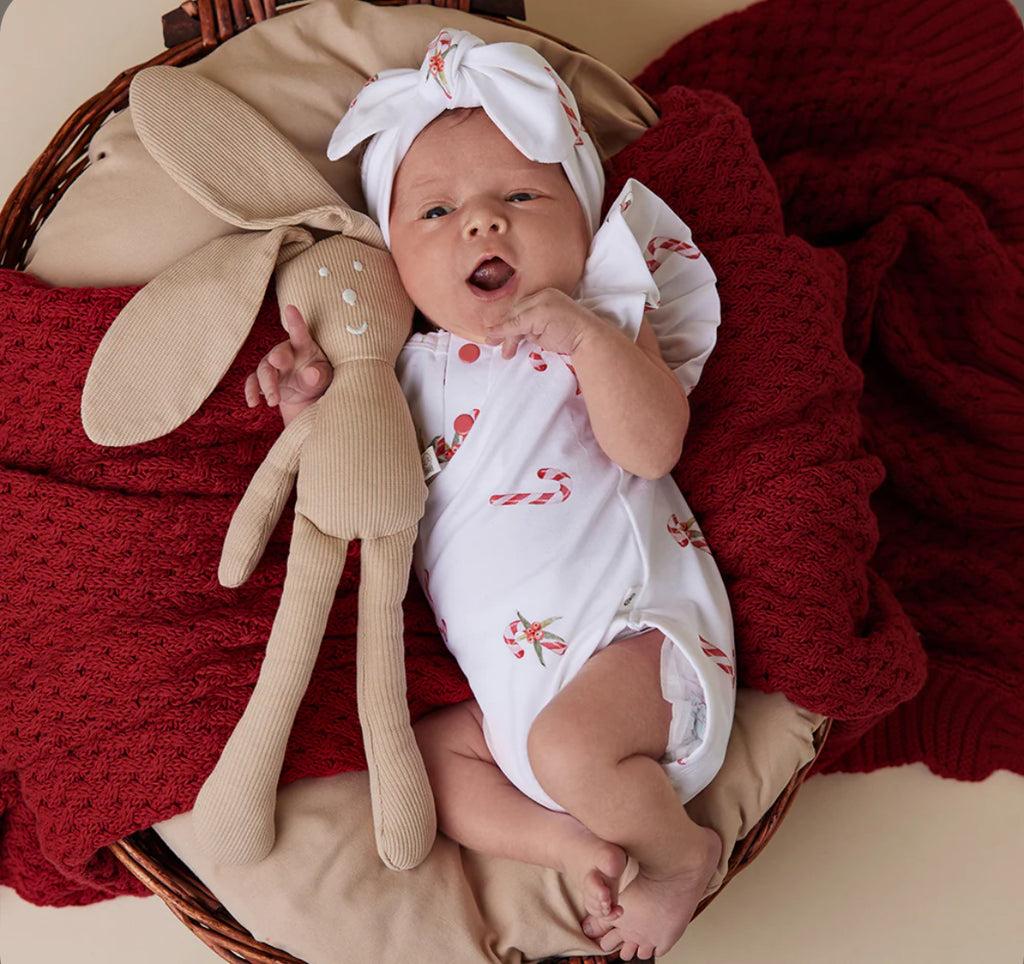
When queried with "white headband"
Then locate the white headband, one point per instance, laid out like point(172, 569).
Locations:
point(517, 89)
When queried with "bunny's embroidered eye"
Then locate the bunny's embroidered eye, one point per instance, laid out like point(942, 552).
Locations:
point(358, 265)
point(324, 271)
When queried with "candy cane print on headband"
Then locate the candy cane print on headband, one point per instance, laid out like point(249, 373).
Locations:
point(516, 87)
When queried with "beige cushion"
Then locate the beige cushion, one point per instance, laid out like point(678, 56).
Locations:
point(324, 896)
point(771, 740)
point(123, 221)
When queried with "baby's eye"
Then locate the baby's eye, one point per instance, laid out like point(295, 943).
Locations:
point(437, 211)
point(521, 196)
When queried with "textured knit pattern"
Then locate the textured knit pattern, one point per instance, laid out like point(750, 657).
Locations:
point(862, 207)
point(894, 131)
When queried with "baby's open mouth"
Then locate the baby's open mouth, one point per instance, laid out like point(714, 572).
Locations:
point(491, 275)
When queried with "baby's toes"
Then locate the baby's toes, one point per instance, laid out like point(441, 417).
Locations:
point(595, 928)
point(597, 895)
point(612, 940)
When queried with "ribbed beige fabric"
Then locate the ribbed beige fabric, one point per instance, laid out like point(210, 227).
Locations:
point(235, 808)
point(352, 457)
point(167, 328)
point(260, 156)
point(403, 809)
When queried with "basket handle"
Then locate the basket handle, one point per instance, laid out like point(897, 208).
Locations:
point(218, 20)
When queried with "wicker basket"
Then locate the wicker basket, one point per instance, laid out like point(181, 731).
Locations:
point(190, 32)
point(146, 856)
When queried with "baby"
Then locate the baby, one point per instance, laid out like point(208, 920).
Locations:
point(565, 570)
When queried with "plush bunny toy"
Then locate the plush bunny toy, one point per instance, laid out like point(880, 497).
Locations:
point(352, 456)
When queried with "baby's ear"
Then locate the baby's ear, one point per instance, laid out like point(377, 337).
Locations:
point(173, 342)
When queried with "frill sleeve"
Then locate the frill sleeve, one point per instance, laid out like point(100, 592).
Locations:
point(643, 263)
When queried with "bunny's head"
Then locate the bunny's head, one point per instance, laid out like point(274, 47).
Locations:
point(337, 283)
point(193, 318)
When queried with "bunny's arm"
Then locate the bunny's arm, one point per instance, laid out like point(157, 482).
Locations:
point(264, 500)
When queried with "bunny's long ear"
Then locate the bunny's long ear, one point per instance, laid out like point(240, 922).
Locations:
point(173, 342)
point(232, 160)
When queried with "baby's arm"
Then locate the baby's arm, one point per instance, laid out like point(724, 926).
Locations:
point(293, 374)
point(638, 409)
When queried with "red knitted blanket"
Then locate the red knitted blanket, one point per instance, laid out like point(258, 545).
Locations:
point(855, 456)
point(893, 131)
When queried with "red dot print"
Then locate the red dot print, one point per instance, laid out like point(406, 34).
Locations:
point(463, 424)
point(469, 353)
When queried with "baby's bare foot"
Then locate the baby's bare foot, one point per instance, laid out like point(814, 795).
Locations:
point(656, 909)
point(600, 885)
point(594, 867)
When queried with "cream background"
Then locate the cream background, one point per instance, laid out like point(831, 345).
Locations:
point(896, 867)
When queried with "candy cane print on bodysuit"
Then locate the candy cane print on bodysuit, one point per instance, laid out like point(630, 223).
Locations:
point(688, 533)
point(550, 497)
point(462, 424)
point(718, 657)
point(535, 633)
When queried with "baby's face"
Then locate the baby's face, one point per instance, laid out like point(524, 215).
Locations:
point(476, 226)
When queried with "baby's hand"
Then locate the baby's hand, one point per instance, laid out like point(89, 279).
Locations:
point(293, 374)
point(549, 318)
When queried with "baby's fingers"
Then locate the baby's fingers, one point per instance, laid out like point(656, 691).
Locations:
point(268, 374)
point(252, 390)
point(509, 343)
point(298, 331)
point(315, 377)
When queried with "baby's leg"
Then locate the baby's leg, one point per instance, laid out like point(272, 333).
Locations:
point(479, 808)
point(596, 749)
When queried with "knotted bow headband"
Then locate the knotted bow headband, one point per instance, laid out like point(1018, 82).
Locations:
point(516, 87)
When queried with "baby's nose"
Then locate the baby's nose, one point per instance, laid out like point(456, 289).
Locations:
point(484, 219)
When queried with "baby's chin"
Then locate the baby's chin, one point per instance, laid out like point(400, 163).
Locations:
point(422, 325)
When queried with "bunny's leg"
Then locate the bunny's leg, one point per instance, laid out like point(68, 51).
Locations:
point(234, 812)
point(403, 805)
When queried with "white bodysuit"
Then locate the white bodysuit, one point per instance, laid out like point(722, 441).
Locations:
point(536, 550)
